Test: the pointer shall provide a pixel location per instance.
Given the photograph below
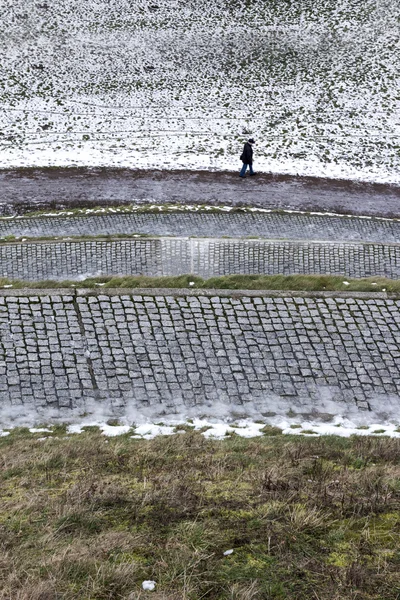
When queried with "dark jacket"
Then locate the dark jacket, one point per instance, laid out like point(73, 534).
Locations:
point(247, 154)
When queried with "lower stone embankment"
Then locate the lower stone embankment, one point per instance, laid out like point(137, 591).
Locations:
point(66, 354)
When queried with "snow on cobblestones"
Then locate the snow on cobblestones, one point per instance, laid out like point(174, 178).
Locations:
point(181, 84)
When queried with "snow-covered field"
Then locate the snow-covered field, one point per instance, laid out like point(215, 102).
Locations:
point(182, 83)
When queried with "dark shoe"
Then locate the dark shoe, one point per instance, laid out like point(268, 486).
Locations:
point(251, 174)
point(242, 176)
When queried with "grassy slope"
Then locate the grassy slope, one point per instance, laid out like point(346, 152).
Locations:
point(315, 81)
point(316, 283)
point(91, 518)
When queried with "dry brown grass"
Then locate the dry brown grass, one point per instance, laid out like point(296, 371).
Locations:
point(311, 283)
point(83, 517)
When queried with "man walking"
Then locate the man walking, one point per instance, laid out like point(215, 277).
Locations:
point(247, 158)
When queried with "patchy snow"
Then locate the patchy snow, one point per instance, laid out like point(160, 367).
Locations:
point(247, 428)
point(39, 430)
point(168, 85)
point(221, 430)
point(171, 208)
point(343, 429)
point(108, 430)
point(228, 552)
point(113, 430)
point(150, 431)
point(75, 428)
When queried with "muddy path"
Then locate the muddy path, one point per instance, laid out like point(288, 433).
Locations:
point(23, 190)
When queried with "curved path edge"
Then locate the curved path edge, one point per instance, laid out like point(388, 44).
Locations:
point(23, 190)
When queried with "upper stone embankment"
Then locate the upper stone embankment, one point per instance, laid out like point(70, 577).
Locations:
point(202, 221)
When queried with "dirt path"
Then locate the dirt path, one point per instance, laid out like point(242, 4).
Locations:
point(28, 189)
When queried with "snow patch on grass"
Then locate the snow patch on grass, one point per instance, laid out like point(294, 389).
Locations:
point(149, 431)
point(219, 430)
point(39, 430)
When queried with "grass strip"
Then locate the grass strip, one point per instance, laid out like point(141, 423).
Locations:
point(76, 238)
point(316, 283)
point(87, 517)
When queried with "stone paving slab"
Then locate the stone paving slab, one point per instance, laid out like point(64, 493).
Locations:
point(35, 261)
point(65, 355)
point(278, 225)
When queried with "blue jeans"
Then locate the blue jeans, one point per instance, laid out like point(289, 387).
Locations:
point(244, 169)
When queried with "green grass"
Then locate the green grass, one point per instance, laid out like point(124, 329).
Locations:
point(312, 283)
point(89, 518)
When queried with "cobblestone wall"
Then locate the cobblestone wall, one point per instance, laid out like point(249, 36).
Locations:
point(198, 354)
point(268, 225)
point(34, 261)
